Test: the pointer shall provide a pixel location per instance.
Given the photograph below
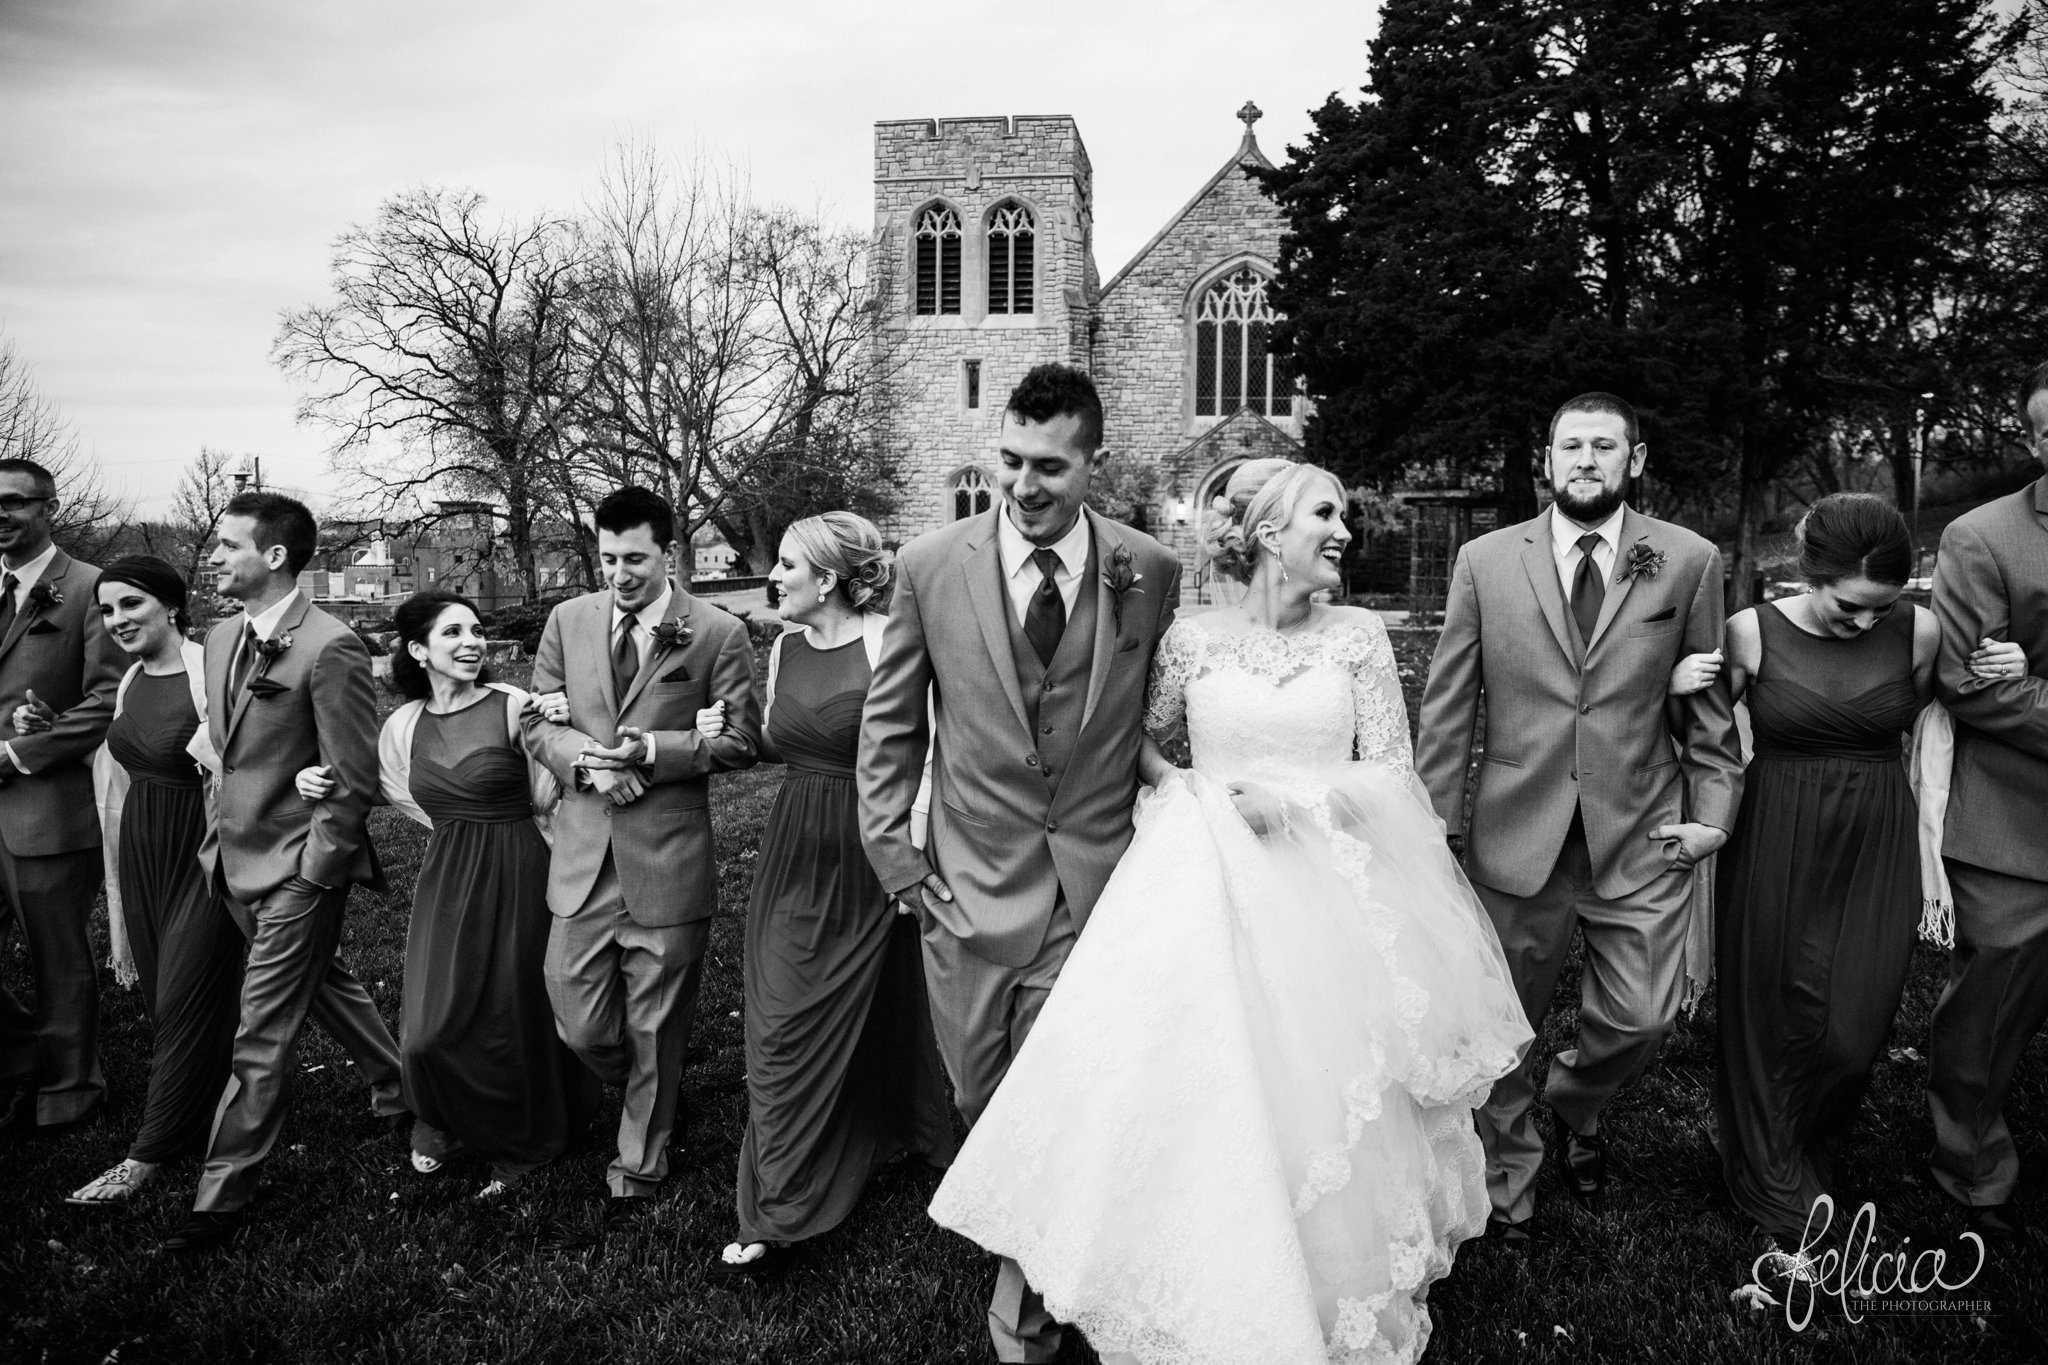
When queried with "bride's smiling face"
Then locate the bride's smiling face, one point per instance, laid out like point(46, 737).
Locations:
point(1312, 542)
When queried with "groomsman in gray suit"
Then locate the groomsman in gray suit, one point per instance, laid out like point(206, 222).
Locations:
point(1597, 793)
point(1992, 583)
point(1032, 626)
point(633, 879)
point(53, 650)
point(287, 687)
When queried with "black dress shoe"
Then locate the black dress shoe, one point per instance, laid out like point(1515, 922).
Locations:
point(17, 1113)
point(1510, 1233)
point(1997, 1224)
point(1583, 1159)
point(379, 1127)
point(204, 1232)
point(622, 1209)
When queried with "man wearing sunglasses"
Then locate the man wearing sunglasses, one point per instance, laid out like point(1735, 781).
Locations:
point(56, 658)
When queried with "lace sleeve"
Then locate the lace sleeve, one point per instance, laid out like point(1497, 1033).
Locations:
point(1173, 668)
point(1381, 715)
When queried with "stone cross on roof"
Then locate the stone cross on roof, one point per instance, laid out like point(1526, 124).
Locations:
point(1250, 114)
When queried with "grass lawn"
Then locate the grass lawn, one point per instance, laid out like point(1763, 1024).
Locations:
point(354, 1257)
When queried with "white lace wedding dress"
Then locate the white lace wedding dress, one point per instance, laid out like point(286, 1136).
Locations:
point(1240, 1130)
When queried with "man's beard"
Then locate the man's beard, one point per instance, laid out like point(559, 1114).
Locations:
point(1590, 511)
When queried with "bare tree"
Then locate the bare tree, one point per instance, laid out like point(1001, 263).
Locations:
point(33, 427)
point(447, 357)
point(184, 540)
point(737, 376)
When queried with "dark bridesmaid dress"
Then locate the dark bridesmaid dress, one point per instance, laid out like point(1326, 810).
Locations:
point(1819, 895)
point(843, 1070)
point(188, 953)
point(481, 1063)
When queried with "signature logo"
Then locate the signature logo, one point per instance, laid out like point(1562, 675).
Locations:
point(1860, 1278)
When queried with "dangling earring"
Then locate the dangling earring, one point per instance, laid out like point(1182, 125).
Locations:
point(1283, 571)
point(823, 593)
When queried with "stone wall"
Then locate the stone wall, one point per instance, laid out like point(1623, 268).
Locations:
point(1144, 357)
point(974, 164)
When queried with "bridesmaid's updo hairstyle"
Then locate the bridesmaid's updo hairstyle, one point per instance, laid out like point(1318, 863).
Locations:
point(155, 577)
point(1259, 493)
point(415, 620)
point(850, 549)
point(1854, 535)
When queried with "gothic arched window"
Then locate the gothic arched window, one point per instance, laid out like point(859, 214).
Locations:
point(1233, 368)
point(1012, 247)
point(938, 260)
point(972, 493)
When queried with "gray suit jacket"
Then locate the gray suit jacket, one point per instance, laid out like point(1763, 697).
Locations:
point(65, 655)
point(1005, 844)
point(1992, 579)
point(668, 871)
point(1604, 737)
point(314, 704)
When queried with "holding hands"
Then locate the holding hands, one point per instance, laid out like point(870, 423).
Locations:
point(1995, 659)
point(614, 773)
point(552, 707)
point(1695, 673)
point(33, 716)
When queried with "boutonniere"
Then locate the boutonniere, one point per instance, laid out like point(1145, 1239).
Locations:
point(672, 635)
point(269, 650)
point(43, 596)
point(1120, 578)
point(1643, 561)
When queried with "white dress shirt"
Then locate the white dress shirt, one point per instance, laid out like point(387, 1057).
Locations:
point(25, 579)
point(28, 575)
point(646, 619)
point(1020, 571)
point(1564, 542)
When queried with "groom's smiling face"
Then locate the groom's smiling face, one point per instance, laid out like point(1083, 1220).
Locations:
point(1044, 470)
point(1591, 462)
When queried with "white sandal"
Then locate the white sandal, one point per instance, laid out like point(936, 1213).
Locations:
point(424, 1164)
point(116, 1185)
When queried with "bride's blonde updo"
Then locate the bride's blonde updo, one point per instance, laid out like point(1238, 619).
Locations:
point(1259, 493)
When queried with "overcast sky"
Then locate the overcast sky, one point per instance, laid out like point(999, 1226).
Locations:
point(173, 172)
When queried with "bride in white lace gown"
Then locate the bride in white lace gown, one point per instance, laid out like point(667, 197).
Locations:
point(1241, 1128)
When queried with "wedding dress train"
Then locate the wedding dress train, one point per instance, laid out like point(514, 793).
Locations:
point(1240, 1130)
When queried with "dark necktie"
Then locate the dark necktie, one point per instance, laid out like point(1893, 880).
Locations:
point(625, 657)
point(1045, 620)
point(1588, 589)
point(8, 583)
point(245, 662)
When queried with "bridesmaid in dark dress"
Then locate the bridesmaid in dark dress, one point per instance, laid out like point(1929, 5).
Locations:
point(172, 938)
point(482, 1067)
point(1819, 886)
point(843, 1070)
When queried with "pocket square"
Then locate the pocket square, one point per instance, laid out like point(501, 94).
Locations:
point(1664, 615)
point(265, 687)
point(44, 628)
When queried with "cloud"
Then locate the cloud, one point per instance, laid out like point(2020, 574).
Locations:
point(172, 175)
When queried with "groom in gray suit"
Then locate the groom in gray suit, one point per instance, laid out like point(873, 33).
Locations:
point(1993, 583)
point(1597, 793)
point(633, 877)
point(1032, 627)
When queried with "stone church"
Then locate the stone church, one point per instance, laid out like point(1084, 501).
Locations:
point(986, 261)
